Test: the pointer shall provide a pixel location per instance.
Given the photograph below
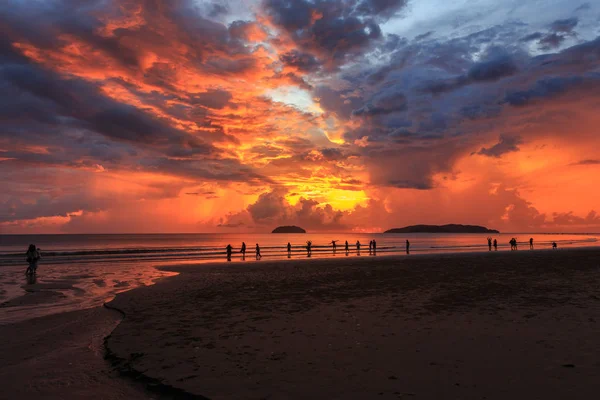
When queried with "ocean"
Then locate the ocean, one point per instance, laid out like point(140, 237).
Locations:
point(82, 271)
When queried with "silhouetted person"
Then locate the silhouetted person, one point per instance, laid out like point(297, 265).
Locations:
point(334, 245)
point(495, 245)
point(347, 248)
point(374, 247)
point(258, 256)
point(489, 243)
point(513, 244)
point(407, 247)
point(357, 247)
point(289, 249)
point(32, 256)
point(554, 245)
point(370, 247)
point(229, 250)
point(243, 250)
point(308, 248)
point(530, 243)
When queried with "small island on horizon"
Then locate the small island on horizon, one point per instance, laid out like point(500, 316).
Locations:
point(288, 229)
point(450, 228)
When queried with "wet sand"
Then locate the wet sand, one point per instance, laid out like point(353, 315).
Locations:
point(472, 326)
point(61, 356)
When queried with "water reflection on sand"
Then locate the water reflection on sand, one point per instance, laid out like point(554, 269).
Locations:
point(61, 288)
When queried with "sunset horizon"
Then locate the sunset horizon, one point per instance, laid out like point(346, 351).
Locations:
point(191, 116)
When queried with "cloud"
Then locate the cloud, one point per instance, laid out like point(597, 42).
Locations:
point(506, 144)
point(331, 100)
point(587, 162)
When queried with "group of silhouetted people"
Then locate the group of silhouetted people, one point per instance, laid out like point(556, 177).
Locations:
point(493, 243)
point(309, 245)
point(229, 251)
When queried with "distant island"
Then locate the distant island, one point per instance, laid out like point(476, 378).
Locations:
point(288, 229)
point(450, 228)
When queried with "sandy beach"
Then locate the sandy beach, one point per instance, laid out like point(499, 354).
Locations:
point(479, 326)
point(471, 326)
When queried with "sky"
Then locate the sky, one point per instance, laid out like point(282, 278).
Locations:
point(143, 116)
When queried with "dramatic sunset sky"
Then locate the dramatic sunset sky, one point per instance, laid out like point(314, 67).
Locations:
point(335, 115)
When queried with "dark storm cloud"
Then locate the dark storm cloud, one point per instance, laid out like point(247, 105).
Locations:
point(551, 41)
point(406, 136)
point(303, 61)
point(506, 144)
point(341, 102)
point(216, 98)
point(491, 70)
point(217, 9)
point(557, 33)
point(532, 36)
point(564, 25)
point(78, 103)
point(546, 88)
point(386, 103)
point(381, 8)
point(332, 30)
point(332, 154)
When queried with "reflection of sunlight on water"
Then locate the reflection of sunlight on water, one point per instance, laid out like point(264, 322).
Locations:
point(61, 288)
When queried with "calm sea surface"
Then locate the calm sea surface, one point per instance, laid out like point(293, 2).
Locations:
point(82, 271)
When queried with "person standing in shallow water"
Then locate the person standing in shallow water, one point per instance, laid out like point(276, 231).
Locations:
point(495, 245)
point(374, 247)
point(357, 247)
point(489, 239)
point(229, 249)
point(289, 249)
point(347, 248)
point(370, 247)
point(243, 250)
point(258, 256)
point(407, 247)
point(530, 243)
point(33, 255)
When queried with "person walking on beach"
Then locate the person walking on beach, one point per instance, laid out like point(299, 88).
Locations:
point(308, 248)
point(243, 250)
point(229, 249)
point(554, 245)
point(489, 239)
point(258, 256)
point(407, 247)
point(357, 247)
point(495, 245)
point(333, 245)
point(530, 243)
point(374, 247)
point(33, 255)
point(347, 248)
point(370, 247)
point(289, 249)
